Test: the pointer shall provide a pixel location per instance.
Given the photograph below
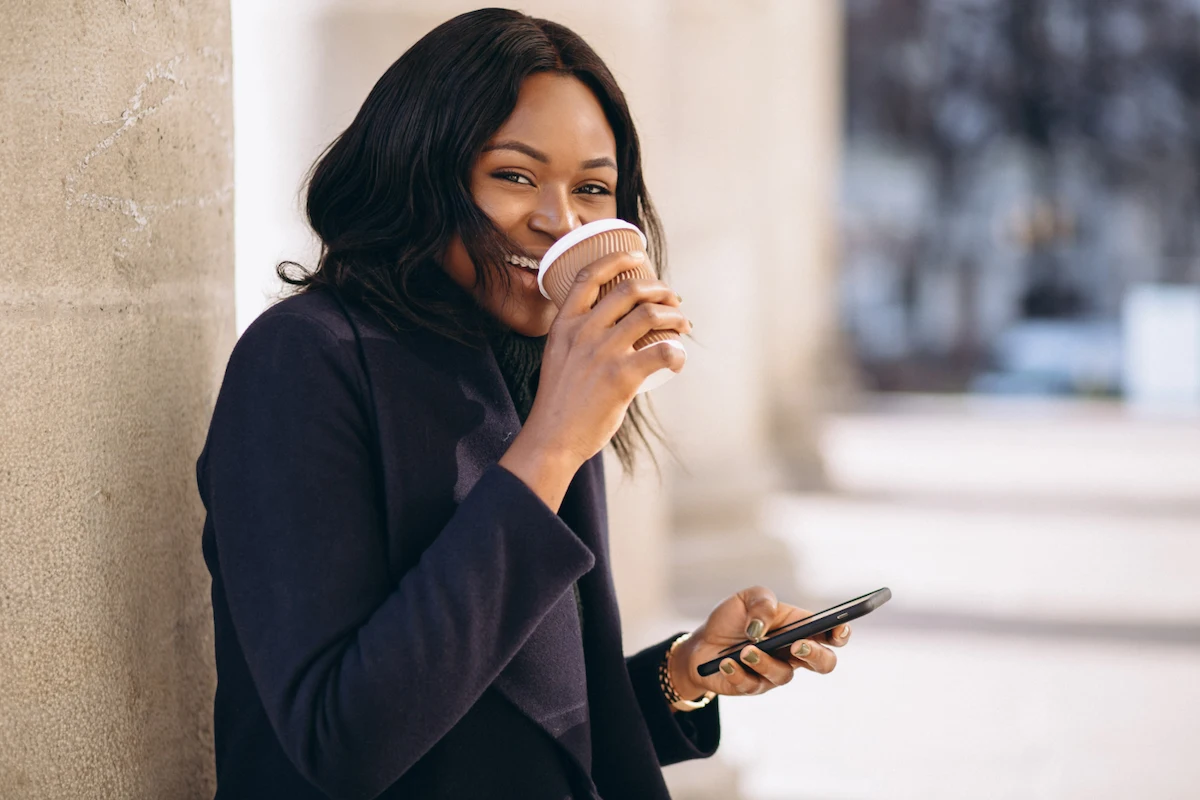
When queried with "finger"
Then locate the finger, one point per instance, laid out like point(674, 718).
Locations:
point(651, 359)
point(838, 636)
point(629, 295)
point(645, 318)
point(761, 606)
point(814, 656)
point(588, 281)
point(737, 679)
point(774, 670)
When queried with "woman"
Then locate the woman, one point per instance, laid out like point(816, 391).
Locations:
point(406, 518)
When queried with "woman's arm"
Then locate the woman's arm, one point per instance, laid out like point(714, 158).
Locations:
point(359, 676)
point(677, 736)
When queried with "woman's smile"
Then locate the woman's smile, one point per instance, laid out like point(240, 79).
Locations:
point(523, 261)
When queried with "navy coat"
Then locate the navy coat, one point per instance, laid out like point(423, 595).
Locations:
point(393, 610)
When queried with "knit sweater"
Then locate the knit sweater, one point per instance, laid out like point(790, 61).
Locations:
point(520, 361)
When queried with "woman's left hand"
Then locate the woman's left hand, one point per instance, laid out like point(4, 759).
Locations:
point(750, 614)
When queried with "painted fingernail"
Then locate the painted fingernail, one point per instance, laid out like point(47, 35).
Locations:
point(750, 656)
point(754, 630)
point(802, 650)
point(637, 255)
point(727, 667)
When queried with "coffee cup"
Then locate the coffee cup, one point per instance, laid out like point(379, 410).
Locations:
point(589, 243)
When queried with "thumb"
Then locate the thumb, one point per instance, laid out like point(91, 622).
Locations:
point(760, 604)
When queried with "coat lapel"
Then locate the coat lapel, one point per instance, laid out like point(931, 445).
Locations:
point(547, 678)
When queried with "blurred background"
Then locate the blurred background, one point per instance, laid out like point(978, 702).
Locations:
point(943, 260)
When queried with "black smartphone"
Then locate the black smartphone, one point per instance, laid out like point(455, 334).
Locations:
point(806, 628)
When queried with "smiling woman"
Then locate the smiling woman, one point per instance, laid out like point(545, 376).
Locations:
point(406, 523)
point(406, 194)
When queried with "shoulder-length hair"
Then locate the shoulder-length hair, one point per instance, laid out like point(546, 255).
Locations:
point(390, 193)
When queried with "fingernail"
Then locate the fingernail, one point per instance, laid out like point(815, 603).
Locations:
point(803, 650)
point(845, 632)
point(638, 255)
point(727, 667)
point(679, 297)
point(750, 656)
point(754, 630)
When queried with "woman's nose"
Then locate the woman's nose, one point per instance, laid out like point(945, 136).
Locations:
point(554, 215)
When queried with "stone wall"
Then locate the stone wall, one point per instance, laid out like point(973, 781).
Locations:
point(116, 313)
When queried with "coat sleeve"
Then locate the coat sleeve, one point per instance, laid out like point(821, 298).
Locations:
point(359, 675)
point(677, 736)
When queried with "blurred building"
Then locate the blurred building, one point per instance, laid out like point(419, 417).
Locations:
point(1014, 171)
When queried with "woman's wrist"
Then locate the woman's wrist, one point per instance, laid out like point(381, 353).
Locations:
point(546, 470)
point(681, 672)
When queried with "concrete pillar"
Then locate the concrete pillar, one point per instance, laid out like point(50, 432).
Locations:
point(116, 310)
point(719, 214)
point(799, 184)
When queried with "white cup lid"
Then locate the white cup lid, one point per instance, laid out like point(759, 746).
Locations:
point(576, 236)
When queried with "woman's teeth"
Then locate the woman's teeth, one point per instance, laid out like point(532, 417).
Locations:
point(522, 261)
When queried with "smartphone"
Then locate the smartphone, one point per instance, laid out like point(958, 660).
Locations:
point(806, 628)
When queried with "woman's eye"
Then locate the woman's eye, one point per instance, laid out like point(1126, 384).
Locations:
point(514, 177)
point(593, 188)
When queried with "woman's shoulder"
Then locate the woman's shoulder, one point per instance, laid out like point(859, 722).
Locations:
point(315, 326)
point(314, 336)
point(293, 343)
point(313, 315)
point(317, 314)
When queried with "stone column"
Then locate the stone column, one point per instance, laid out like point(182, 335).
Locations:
point(802, 134)
point(116, 310)
point(719, 214)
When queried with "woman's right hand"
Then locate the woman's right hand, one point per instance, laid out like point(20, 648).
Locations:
point(591, 373)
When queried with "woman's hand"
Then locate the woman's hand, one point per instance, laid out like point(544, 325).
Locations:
point(749, 614)
point(591, 373)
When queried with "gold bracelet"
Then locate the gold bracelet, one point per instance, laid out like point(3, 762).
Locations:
point(668, 688)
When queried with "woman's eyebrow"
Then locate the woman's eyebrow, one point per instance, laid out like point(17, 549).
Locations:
point(603, 161)
point(520, 147)
point(538, 155)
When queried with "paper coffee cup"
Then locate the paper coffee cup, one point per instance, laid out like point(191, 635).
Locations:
point(591, 242)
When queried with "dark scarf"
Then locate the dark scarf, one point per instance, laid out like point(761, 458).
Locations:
point(520, 361)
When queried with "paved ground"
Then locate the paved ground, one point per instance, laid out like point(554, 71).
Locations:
point(1044, 641)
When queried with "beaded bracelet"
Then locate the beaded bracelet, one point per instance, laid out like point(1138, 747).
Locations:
point(668, 688)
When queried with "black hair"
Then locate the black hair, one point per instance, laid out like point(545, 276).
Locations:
point(392, 191)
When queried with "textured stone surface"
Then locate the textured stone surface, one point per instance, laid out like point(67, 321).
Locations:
point(116, 311)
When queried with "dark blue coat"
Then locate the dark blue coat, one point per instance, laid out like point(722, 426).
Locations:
point(393, 610)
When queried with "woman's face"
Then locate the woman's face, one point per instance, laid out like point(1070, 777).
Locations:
point(549, 169)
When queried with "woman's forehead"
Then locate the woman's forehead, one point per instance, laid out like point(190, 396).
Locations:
point(559, 114)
